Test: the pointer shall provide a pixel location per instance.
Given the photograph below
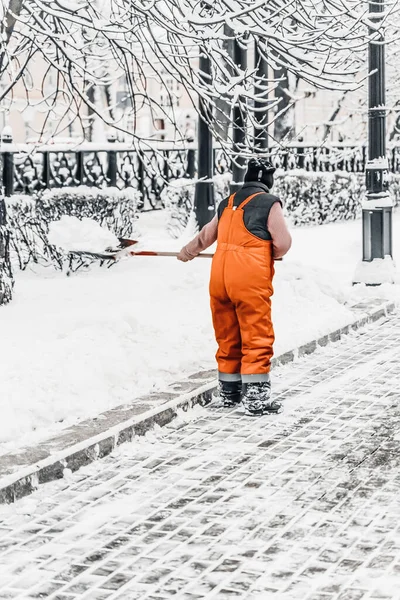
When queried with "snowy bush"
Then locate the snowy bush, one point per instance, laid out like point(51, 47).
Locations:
point(315, 198)
point(110, 207)
point(310, 198)
point(28, 240)
point(178, 199)
point(29, 218)
point(394, 186)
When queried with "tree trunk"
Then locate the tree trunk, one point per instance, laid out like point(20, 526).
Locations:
point(14, 10)
point(7, 28)
point(222, 119)
point(109, 101)
point(91, 99)
point(331, 120)
point(283, 124)
point(6, 277)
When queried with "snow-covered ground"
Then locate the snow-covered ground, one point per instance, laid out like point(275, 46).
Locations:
point(72, 347)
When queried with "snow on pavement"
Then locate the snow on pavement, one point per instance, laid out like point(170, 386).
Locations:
point(297, 506)
point(75, 346)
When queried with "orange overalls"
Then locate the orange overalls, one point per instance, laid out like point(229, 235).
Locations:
point(240, 290)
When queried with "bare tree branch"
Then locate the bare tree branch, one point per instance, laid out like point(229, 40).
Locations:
point(102, 44)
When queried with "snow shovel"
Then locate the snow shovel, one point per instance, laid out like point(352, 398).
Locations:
point(125, 245)
point(153, 253)
point(110, 256)
point(125, 250)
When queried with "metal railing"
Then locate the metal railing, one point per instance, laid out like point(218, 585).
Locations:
point(26, 170)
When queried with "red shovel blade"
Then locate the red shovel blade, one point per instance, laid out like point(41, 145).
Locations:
point(125, 242)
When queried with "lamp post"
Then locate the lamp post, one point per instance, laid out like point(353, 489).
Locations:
point(239, 122)
point(204, 202)
point(377, 206)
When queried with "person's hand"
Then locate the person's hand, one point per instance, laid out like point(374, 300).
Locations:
point(182, 256)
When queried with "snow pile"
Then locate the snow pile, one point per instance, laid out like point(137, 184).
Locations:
point(376, 272)
point(306, 305)
point(111, 207)
point(30, 218)
point(71, 233)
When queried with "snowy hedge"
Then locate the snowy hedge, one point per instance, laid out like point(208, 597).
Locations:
point(29, 218)
point(316, 198)
point(28, 240)
point(178, 199)
point(309, 198)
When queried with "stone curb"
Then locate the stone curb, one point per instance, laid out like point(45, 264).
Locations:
point(99, 437)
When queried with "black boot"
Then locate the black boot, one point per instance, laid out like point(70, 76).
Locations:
point(229, 393)
point(257, 399)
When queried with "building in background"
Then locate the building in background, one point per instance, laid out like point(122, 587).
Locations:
point(161, 109)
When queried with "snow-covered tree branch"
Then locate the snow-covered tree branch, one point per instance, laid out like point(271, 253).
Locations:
point(90, 48)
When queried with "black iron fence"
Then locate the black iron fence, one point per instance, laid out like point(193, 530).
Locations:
point(27, 170)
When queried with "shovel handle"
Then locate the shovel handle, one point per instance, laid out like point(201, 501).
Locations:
point(150, 253)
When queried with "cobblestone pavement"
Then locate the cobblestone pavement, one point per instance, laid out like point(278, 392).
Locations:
point(302, 505)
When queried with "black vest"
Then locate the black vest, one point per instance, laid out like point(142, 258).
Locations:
point(256, 212)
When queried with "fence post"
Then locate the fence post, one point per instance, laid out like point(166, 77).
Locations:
point(300, 154)
point(8, 163)
point(340, 163)
point(46, 170)
point(166, 164)
point(112, 170)
point(80, 171)
point(191, 159)
point(140, 176)
point(315, 160)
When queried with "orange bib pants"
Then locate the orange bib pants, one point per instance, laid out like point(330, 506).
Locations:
point(240, 291)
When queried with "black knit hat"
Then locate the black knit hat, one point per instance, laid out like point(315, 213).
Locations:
point(260, 169)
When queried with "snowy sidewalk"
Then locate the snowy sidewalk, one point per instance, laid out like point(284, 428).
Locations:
point(303, 505)
point(21, 471)
point(75, 347)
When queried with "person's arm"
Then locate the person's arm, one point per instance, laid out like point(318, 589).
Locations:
point(206, 237)
point(281, 238)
